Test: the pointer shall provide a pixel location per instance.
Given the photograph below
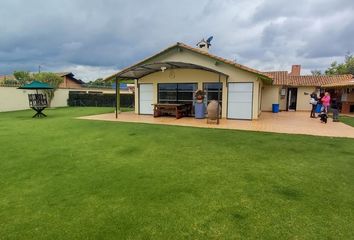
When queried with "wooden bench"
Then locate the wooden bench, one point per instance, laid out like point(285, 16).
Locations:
point(178, 110)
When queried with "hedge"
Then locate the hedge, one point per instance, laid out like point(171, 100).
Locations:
point(99, 100)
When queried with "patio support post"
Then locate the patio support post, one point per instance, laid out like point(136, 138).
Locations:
point(218, 111)
point(117, 97)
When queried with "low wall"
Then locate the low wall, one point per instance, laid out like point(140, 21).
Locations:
point(60, 99)
point(12, 99)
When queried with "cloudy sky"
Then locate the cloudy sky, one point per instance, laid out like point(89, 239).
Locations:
point(94, 38)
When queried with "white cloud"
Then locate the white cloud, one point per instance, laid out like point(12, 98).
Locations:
point(96, 35)
point(88, 73)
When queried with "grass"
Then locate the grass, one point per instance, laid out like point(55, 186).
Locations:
point(65, 178)
point(347, 120)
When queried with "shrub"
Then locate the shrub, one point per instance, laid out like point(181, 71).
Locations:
point(99, 100)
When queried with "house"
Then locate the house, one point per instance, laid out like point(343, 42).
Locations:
point(292, 90)
point(344, 91)
point(69, 81)
point(174, 74)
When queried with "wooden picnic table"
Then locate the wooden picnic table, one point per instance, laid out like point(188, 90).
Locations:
point(178, 110)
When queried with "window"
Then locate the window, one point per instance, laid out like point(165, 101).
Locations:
point(176, 92)
point(211, 91)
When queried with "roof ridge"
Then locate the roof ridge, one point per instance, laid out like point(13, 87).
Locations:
point(336, 75)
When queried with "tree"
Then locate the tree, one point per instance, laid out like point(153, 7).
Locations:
point(22, 77)
point(316, 72)
point(52, 79)
point(342, 68)
point(99, 82)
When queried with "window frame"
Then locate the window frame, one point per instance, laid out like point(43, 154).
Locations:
point(177, 101)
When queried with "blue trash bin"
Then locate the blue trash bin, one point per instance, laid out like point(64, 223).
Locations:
point(275, 108)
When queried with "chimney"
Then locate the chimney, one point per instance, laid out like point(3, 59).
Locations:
point(295, 70)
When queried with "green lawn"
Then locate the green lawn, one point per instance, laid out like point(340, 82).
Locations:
point(65, 178)
point(347, 120)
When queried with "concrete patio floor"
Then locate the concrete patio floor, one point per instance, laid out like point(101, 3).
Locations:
point(283, 122)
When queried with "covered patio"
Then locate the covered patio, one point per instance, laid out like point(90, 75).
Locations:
point(139, 71)
point(283, 122)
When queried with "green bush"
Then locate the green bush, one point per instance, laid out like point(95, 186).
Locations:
point(99, 100)
point(11, 82)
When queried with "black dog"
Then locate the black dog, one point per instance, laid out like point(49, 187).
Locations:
point(323, 117)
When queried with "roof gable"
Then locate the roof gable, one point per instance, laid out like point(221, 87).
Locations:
point(198, 51)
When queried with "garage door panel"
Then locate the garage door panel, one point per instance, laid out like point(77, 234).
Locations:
point(241, 111)
point(146, 107)
point(145, 98)
point(240, 97)
point(240, 100)
point(241, 87)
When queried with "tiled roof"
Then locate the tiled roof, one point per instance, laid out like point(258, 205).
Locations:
point(196, 50)
point(279, 77)
point(318, 80)
point(349, 83)
point(283, 78)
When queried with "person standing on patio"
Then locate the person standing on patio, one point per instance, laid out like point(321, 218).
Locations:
point(334, 107)
point(313, 102)
point(326, 101)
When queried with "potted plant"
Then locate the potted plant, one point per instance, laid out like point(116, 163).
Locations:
point(199, 106)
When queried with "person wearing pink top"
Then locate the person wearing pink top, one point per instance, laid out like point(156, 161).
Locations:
point(326, 101)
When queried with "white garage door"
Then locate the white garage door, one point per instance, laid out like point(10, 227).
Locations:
point(145, 98)
point(240, 100)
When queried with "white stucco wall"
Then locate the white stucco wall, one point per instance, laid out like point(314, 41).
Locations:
point(270, 95)
point(303, 98)
point(60, 99)
point(12, 99)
